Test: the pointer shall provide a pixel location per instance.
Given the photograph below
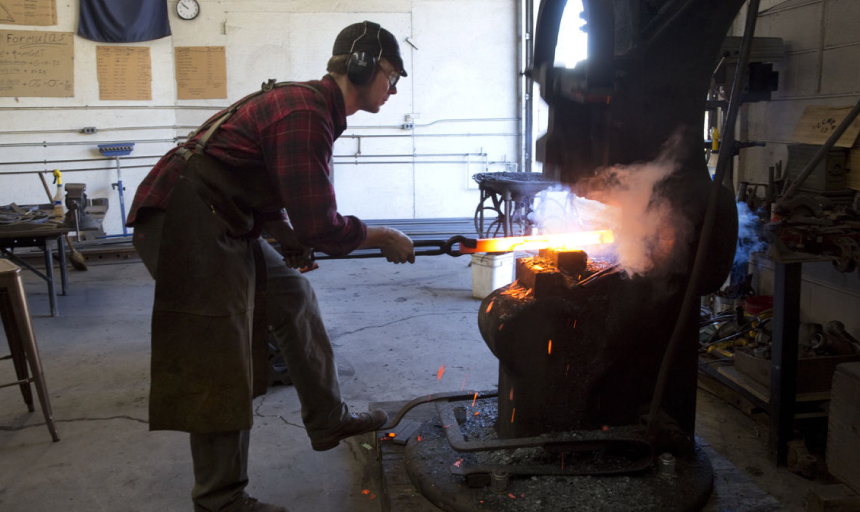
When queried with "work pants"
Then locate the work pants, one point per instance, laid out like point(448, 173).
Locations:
point(221, 459)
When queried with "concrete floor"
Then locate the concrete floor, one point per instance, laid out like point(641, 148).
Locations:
point(393, 328)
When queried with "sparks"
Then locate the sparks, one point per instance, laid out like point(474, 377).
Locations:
point(418, 439)
point(512, 496)
point(514, 411)
point(392, 434)
point(490, 306)
point(511, 395)
point(549, 347)
point(365, 492)
point(440, 373)
point(501, 326)
point(574, 324)
point(463, 385)
point(474, 399)
point(457, 464)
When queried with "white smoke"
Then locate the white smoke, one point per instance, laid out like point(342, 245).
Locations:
point(627, 200)
point(749, 240)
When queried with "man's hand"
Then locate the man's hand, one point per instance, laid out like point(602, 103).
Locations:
point(394, 245)
point(295, 254)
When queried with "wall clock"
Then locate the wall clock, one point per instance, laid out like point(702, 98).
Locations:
point(187, 9)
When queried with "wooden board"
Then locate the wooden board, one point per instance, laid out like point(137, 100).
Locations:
point(843, 434)
point(762, 392)
point(818, 122)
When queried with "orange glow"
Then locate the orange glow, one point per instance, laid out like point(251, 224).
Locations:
point(549, 347)
point(511, 395)
point(512, 496)
point(365, 492)
point(605, 428)
point(440, 372)
point(458, 463)
point(474, 399)
point(574, 324)
point(512, 414)
point(501, 326)
point(477, 413)
point(418, 439)
point(490, 306)
point(562, 242)
point(392, 434)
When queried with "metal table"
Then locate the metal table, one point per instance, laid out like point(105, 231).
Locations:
point(511, 195)
point(13, 236)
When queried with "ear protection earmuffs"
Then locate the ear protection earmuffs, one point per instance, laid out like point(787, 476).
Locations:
point(361, 65)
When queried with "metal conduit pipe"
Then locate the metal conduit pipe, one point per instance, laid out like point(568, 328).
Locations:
point(99, 130)
point(184, 137)
point(346, 162)
point(118, 107)
point(111, 159)
point(90, 143)
point(49, 169)
point(408, 155)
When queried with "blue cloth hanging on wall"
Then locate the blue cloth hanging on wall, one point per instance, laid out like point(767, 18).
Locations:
point(123, 21)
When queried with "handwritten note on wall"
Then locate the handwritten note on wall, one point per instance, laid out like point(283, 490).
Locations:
point(28, 12)
point(124, 72)
point(201, 72)
point(817, 124)
point(37, 64)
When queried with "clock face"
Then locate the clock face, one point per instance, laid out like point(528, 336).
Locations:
point(187, 9)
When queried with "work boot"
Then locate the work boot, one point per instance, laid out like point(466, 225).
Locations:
point(354, 425)
point(249, 504)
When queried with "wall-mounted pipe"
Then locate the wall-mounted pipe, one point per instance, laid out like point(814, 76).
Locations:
point(89, 169)
point(88, 143)
point(348, 161)
point(99, 130)
point(35, 162)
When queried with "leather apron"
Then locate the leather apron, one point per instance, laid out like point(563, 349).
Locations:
point(205, 368)
point(209, 332)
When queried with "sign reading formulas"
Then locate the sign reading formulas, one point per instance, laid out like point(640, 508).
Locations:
point(37, 64)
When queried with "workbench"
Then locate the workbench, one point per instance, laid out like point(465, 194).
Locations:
point(781, 400)
point(13, 236)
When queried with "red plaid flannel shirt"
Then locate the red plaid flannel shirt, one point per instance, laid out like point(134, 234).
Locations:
point(284, 136)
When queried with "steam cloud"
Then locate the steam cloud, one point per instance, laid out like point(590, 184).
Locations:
point(749, 239)
point(628, 200)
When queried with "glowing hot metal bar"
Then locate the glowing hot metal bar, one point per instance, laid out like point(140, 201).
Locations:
point(561, 242)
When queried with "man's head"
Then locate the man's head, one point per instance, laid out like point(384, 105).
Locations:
point(364, 45)
point(369, 56)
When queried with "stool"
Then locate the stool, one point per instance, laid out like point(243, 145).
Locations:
point(22, 343)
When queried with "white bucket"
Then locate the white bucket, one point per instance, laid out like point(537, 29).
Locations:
point(491, 271)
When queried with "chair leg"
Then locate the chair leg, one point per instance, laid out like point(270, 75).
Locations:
point(19, 359)
point(18, 327)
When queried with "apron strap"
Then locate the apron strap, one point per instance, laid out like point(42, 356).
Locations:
point(226, 114)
